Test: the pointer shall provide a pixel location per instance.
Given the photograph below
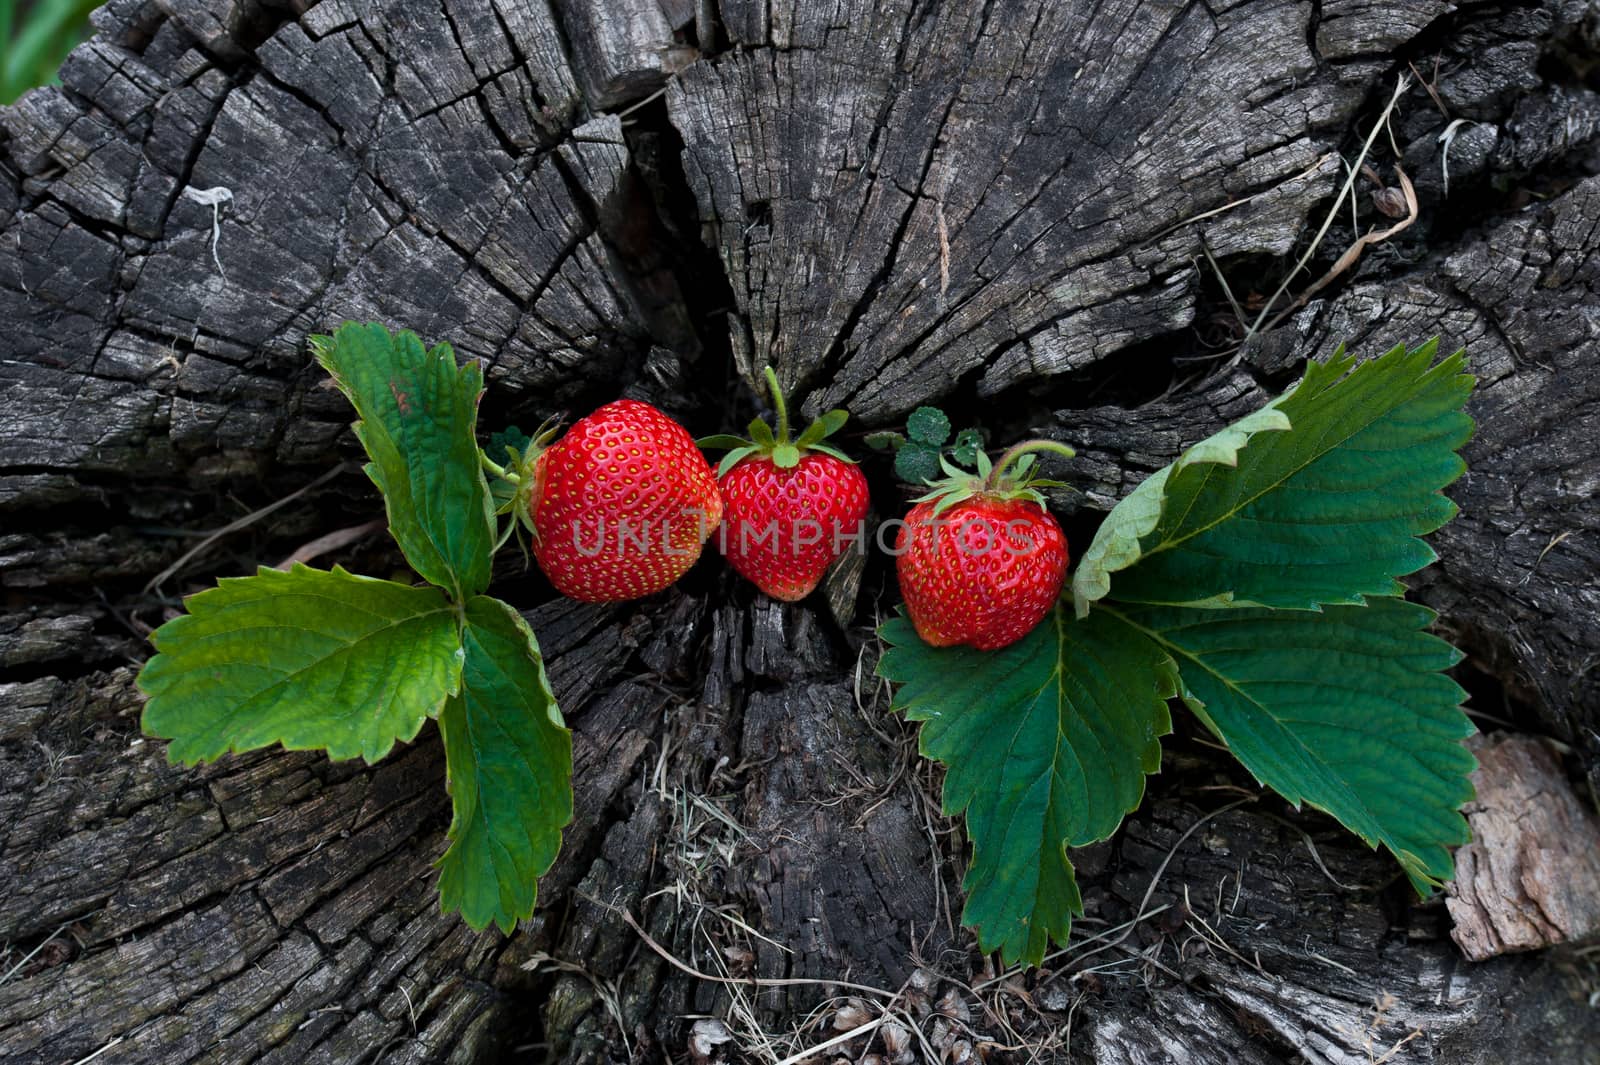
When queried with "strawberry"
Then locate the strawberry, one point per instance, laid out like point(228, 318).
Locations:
point(790, 508)
point(782, 528)
point(621, 505)
point(981, 562)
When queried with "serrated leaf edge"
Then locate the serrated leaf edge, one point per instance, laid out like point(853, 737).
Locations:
point(1168, 686)
point(198, 604)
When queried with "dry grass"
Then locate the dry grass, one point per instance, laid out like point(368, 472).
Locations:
point(958, 1006)
point(242, 523)
point(945, 1011)
point(1264, 318)
point(1346, 190)
point(1371, 1041)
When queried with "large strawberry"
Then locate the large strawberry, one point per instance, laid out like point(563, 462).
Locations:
point(981, 562)
point(621, 505)
point(789, 507)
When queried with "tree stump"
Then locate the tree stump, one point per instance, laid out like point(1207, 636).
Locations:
point(1047, 217)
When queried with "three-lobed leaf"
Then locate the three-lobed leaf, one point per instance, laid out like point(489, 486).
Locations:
point(509, 758)
point(1257, 576)
point(1347, 708)
point(419, 414)
point(1321, 497)
point(326, 659)
point(507, 441)
point(309, 658)
point(1047, 744)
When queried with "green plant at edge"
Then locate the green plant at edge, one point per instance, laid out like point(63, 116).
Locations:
point(329, 660)
point(32, 50)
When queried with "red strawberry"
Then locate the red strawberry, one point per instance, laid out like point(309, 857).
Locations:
point(782, 528)
point(790, 509)
point(981, 562)
point(621, 504)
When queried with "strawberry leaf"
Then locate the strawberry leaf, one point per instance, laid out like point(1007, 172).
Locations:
point(1047, 744)
point(309, 658)
point(419, 414)
point(928, 425)
point(508, 440)
point(884, 441)
point(916, 463)
point(720, 441)
point(969, 442)
point(503, 494)
point(825, 426)
point(1319, 498)
point(510, 763)
point(831, 452)
point(733, 458)
point(1347, 708)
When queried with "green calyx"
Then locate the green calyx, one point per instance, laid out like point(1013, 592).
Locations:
point(1015, 476)
point(763, 442)
point(513, 485)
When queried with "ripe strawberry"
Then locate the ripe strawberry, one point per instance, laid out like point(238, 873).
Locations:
point(782, 528)
point(790, 509)
point(981, 562)
point(621, 505)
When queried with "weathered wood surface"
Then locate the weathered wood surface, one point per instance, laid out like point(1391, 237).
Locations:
point(1004, 206)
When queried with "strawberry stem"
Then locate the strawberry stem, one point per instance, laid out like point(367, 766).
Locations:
point(496, 469)
point(778, 405)
point(1016, 451)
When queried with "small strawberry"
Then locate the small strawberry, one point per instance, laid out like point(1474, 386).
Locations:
point(981, 562)
point(790, 509)
point(621, 505)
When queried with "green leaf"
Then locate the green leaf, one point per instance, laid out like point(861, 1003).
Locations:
point(947, 498)
point(510, 764)
point(916, 463)
point(308, 658)
point(503, 494)
point(733, 458)
point(32, 49)
point(786, 456)
point(832, 452)
point(884, 441)
point(1319, 498)
point(761, 433)
point(928, 425)
point(720, 441)
point(419, 414)
point(969, 443)
point(510, 438)
point(823, 427)
point(1047, 743)
point(1347, 709)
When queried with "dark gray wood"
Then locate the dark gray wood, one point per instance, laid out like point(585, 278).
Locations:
point(1005, 207)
